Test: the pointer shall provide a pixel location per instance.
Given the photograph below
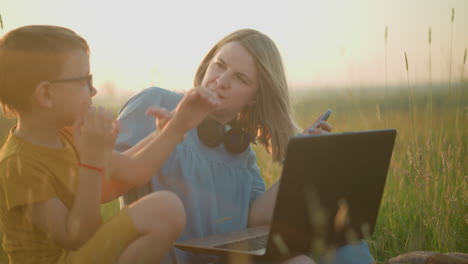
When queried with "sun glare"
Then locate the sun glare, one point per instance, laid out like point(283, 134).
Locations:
point(323, 43)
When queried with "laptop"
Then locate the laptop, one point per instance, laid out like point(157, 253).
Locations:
point(329, 195)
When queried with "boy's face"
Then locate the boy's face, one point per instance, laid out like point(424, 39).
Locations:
point(71, 92)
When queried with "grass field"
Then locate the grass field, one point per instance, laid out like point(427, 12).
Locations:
point(425, 201)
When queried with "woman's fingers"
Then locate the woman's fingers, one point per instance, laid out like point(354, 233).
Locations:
point(158, 112)
point(161, 115)
point(324, 125)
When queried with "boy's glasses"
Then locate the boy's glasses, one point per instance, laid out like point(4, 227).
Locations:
point(88, 78)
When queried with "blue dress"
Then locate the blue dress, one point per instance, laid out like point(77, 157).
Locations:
point(216, 187)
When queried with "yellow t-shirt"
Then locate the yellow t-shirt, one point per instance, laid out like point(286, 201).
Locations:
point(29, 174)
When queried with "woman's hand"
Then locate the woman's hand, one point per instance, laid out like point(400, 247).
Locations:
point(323, 127)
point(161, 115)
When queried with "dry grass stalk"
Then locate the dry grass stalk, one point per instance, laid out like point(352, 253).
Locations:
point(451, 44)
point(463, 67)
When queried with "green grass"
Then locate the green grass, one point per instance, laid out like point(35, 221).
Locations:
point(424, 203)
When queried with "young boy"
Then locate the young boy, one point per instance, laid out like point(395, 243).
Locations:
point(53, 177)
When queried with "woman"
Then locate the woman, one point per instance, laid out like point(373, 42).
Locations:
point(215, 172)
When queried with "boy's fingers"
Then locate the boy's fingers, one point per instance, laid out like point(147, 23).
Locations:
point(205, 94)
point(109, 119)
point(103, 120)
point(192, 93)
point(77, 128)
point(209, 95)
point(110, 116)
point(99, 116)
point(78, 122)
point(89, 117)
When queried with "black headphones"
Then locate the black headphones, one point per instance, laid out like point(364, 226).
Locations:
point(212, 133)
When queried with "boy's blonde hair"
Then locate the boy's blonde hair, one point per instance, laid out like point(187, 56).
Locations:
point(269, 120)
point(29, 55)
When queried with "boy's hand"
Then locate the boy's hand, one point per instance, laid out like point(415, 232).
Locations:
point(95, 136)
point(190, 112)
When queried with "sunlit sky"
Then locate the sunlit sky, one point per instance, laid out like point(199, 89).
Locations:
point(324, 43)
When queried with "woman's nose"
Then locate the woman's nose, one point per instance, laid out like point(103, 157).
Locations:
point(222, 81)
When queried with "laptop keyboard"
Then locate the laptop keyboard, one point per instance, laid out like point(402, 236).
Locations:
point(250, 244)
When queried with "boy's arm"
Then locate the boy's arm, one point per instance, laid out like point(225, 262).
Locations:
point(134, 169)
point(136, 166)
point(72, 227)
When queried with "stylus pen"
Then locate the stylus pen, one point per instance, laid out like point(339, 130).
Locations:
point(323, 118)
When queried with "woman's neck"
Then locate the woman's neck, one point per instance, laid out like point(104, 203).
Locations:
point(224, 120)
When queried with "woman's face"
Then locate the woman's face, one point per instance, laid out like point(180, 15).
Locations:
point(232, 74)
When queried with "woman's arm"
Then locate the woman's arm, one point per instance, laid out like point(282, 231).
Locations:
point(261, 210)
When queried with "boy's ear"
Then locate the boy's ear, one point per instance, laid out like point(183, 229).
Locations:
point(43, 94)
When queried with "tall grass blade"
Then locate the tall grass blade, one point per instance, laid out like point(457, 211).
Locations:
point(430, 100)
point(451, 46)
point(387, 102)
point(464, 58)
point(430, 36)
point(406, 61)
point(410, 103)
point(386, 65)
point(463, 67)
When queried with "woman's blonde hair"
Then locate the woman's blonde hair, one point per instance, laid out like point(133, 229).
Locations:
point(269, 120)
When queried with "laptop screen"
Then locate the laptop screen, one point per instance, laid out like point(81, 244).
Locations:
point(330, 191)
